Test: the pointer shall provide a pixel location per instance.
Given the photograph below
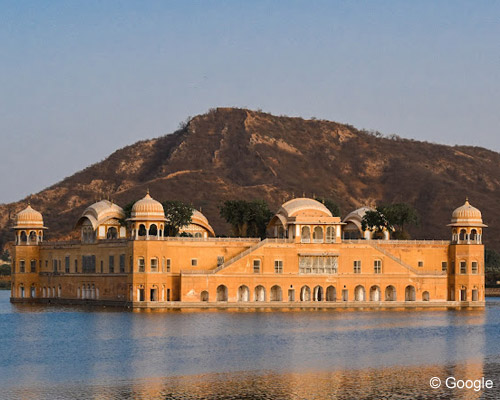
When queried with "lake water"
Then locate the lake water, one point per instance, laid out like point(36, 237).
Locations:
point(54, 352)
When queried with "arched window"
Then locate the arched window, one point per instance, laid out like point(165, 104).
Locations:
point(374, 293)
point(473, 235)
point(243, 293)
point(153, 230)
point(331, 293)
point(204, 296)
point(112, 233)
point(463, 234)
point(33, 237)
point(410, 294)
point(425, 296)
point(142, 230)
point(390, 293)
point(330, 234)
point(305, 293)
point(359, 293)
point(305, 234)
point(198, 235)
point(276, 294)
point(318, 234)
point(24, 237)
point(221, 293)
point(260, 293)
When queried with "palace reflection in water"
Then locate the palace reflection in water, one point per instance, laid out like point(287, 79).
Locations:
point(63, 352)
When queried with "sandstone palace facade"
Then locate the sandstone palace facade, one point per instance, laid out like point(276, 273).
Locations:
point(310, 258)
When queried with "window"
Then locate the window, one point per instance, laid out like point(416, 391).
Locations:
point(88, 264)
point(168, 264)
point(256, 266)
point(474, 267)
point(102, 266)
point(220, 260)
point(305, 235)
point(318, 265)
point(54, 265)
point(140, 264)
point(357, 266)
point(22, 266)
point(122, 263)
point(131, 264)
point(154, 265)
point(452, 270)
point(463, 267)
point(278, 267)
point(318, 234)
point(377, 266)
point(33, 266)
point(46, 264)
point(66, 264)
point(111, 264)
point(444, 266)
point(330, 234)
point(420, 264)
point(194, 262)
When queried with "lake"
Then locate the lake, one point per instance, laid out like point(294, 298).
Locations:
point(56, 352)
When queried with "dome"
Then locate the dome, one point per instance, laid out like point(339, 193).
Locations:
point(29, 218)
point(357, 215)
point(294, 206)
point(199, 219)
point(100, 212)
point(148, 209)
point(467, 215)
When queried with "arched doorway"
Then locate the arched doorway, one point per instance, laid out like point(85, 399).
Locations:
point(260, 293)
point(375, 293)
point(204, 296)
point(305, 293)
point(276, 294)
point(243, 293)
point(410, 294)
point(318, 293)
point(331, 293)
point(390, 293)
point(221, 293)
point(359, 293)
point(425, 296)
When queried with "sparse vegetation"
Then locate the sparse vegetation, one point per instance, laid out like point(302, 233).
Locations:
point(491, 267)
point(247, 218)
point(178, 214)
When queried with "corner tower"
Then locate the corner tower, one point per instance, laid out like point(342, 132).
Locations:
point(466, 272)
point(28, 229)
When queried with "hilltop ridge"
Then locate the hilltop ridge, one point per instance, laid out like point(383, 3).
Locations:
point(232, 153)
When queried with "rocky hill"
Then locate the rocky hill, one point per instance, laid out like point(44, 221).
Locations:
point(235, 153)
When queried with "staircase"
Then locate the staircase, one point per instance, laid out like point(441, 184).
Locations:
point(248, 251)
point(393, 257)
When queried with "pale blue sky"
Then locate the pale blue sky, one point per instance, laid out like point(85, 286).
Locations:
point(80, 79)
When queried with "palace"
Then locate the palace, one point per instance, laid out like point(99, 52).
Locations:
point(309, 258)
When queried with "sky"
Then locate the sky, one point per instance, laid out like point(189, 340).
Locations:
point(80, 79)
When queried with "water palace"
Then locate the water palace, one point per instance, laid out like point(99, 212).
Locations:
point(310, 258)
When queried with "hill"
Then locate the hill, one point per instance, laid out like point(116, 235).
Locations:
point(232, 153)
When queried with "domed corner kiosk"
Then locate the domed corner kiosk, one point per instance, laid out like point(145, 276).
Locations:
point(147, 220)
point(466, 272)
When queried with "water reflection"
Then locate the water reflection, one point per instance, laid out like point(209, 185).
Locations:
point(74, 352)
point(386, 383)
